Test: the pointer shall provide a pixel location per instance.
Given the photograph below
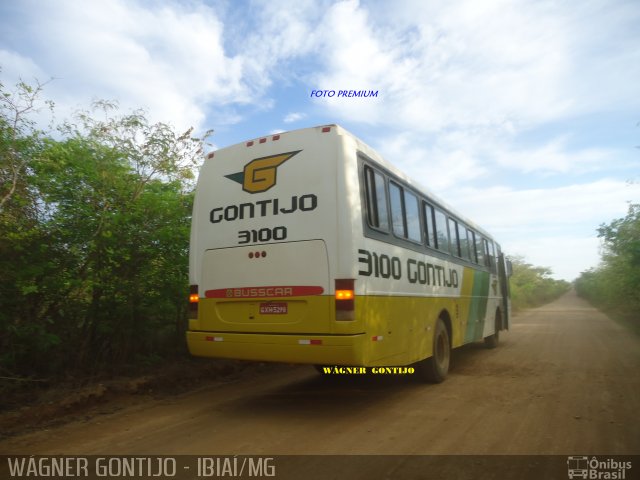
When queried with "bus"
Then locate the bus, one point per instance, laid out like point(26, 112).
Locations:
point(308, 247)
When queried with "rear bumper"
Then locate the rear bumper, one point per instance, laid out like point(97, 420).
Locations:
point(289, 348)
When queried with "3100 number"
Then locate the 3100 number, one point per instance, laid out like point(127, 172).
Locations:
point(262, 235)
point(379, 265)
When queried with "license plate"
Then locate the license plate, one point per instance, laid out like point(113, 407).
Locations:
point(274, 308)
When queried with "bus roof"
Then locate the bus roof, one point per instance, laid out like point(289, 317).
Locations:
point(370, 152)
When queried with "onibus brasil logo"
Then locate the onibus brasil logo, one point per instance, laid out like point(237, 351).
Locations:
point(260, 174)
point(594, 468)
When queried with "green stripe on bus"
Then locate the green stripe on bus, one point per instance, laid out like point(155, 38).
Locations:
point(477, 307)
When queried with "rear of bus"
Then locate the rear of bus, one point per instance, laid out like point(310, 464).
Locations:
point(269, 281)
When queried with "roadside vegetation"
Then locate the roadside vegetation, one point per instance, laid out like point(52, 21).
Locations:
point(94, 227)
point(533, 286)
point(614, 286)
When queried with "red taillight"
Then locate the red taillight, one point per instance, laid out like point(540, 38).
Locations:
point(345, 299)
point(194, 298)
point(326, 129)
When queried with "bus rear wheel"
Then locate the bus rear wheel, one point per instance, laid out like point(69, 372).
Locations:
point(492, 340)
point(435, 368)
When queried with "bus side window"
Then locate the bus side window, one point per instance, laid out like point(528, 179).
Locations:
point(397, 212)
point(453, 237)
point(429, 225)
point(489, 256)
point(492, 256)
point(377, 214)
point(480, 250)
point(465, 234)
point(485, 251)
point(442, 233)
point(471, 242)
point(414, 232)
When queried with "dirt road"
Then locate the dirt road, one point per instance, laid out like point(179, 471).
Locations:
point(565, 380)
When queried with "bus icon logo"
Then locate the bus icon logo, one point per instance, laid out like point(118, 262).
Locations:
point(260, 174)
point(578, 467)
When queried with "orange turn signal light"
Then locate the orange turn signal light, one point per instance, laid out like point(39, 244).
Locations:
point(345, 298)
point(344, 295)
point(194, 298)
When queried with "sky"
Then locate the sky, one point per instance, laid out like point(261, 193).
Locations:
point(524, 115)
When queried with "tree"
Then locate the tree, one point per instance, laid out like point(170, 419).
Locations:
point(93, 241)
point(532, 286)
point(19, 139)
point(21, 237)
point(615, 284)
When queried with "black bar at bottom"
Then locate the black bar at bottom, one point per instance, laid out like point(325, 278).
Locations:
point(323, 467)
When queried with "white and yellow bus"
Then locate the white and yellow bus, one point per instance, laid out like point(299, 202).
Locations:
point(308, 247)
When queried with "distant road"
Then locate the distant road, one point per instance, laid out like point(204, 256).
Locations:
point(565, 380)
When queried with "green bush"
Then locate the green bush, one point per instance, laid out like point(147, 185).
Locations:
point(615, 285)
point(94, 236)
point(533, 286)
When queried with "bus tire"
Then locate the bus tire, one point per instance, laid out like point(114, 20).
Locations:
point(492, 340)
point(435, 368)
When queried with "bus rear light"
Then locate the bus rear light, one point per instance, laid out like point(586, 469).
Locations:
point(344, 294)
point(194, 299)
point(276, 137)
point(345, 299)
point(250, 143)
point(326, 129)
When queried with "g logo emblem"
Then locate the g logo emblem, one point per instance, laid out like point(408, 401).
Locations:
point(260, 174)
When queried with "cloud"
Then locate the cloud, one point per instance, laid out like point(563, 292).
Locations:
point(475, 63)
point(457, 65)
point(169, 60)
point(466, 64)
point(507, 209)
point(16, 67)
point(460, 158)
point(552, 226)
point(553, 156)
point(293, 117)
point(508, 66)
point(437, 164)
point(567, 256)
